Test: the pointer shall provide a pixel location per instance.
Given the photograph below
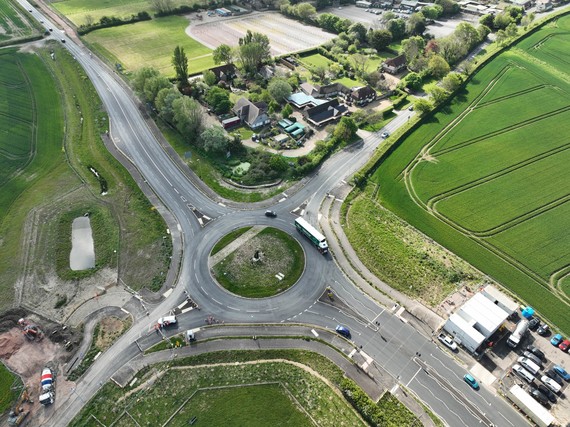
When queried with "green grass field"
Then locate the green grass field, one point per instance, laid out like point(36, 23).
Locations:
point(487, 176)
point(13, 22)
point(291, 392)
point(10, 387)
point(258, 405)
point(151, 43)
point(79, 11)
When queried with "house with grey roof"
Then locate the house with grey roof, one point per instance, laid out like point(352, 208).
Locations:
point(253, 114)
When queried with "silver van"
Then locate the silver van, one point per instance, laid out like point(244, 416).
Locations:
point(523, 373)
point(529, 365)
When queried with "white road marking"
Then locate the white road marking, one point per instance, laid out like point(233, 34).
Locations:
point(314, 333)
point(216, 301)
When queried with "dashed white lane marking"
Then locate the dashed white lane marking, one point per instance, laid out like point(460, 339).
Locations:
point(314, 333)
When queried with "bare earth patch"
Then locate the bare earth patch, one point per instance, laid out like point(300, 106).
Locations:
point(285, 35)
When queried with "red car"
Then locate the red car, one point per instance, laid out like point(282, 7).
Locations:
point(564, 345)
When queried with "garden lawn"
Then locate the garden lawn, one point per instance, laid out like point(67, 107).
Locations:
point(316, 60)
point(487, 175)
point(151, 43)
point(78, 11)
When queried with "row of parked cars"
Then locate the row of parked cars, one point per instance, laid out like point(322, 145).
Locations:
point(544, 330)
point(528, 368)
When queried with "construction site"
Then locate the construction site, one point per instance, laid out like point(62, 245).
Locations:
point(35, 350)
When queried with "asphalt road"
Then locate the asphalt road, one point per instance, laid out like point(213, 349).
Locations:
point(434, 376)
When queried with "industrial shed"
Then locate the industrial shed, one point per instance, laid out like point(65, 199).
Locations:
point(475, 321)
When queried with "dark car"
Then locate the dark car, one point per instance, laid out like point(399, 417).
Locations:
point(554, 375)
point(543, 330)
point(547, 392)
point(271, 214)
point(534, 324)
point(535, 351)
point(63, 40)
point(538, 395)
point(343, 330)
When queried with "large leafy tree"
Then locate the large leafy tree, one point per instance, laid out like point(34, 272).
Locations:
point(141, 76)
point(180, 64)
point(214, 139)
point(154, 85)
point(188, 118)
point(164, 100)
point(279, 89)
point(379, 39)
point(223, 54)
point(438, 66)
point(254, 50)
point(219, 100)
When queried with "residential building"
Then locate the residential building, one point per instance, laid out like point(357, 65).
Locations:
point(363, 95)
point(252, 114)
point(325, 113)
point(394, 65)
point(224, 73)
point(325, 91)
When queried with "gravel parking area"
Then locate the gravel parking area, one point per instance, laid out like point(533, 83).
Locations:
point(285, 35)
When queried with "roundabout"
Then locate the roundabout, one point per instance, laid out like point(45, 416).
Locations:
point(257, 262)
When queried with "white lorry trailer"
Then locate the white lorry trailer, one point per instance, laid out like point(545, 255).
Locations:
point(316, 238)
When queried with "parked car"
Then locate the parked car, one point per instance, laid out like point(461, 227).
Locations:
point(551, 384)
point(468, 378)
point(554, 375)
point(543, 330)
point(447, 341)
point(271, 214)
point(385, 135)
point(539, 396)
point(564, 345)
point(534, 323)
point(523, 373)
point(556, 339)
point(343, 330)
point(529, 365)
point(548, 393)
point(535, 351)
point(560, 371)
point(533, 357)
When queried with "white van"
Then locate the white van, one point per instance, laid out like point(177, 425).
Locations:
point(523, 373)
point(529, 365)
point(165, 321)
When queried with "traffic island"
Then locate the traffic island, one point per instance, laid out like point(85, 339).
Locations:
point(257, 263)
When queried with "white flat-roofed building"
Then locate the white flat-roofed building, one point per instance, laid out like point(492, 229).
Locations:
point(475, 321)
point(500, 299)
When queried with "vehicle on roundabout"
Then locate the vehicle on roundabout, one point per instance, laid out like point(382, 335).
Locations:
point(271, 214)
point(343, 330)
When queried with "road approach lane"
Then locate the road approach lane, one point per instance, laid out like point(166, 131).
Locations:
point(133, 137)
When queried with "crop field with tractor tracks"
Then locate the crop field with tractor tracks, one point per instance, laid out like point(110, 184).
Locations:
point(487, 177)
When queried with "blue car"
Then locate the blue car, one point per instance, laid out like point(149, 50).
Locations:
point(343, 330)
point(562, 372)
point(471, 381)
point(556, 339)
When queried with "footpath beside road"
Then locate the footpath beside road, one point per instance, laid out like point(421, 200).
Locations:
point(374, 381)
point(361, 276)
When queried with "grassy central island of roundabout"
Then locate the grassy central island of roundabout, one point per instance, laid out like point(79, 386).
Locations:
point(257, 262)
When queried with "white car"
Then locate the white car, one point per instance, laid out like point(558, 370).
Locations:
point(385, 135)
point(448, 341)
point(551, 384)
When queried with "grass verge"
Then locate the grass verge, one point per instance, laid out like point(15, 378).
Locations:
point(10, 388)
